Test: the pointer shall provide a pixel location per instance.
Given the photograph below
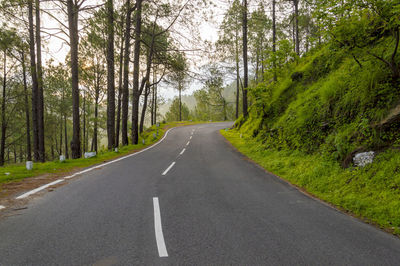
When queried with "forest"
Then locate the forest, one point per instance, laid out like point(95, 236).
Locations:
point(318, 76)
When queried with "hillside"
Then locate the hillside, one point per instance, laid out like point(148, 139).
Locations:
point(323, 110)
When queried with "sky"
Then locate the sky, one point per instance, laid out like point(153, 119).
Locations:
point(54, 48)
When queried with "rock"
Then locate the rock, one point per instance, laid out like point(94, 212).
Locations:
point(90, 154)
point(364, 158)
point(62, 158)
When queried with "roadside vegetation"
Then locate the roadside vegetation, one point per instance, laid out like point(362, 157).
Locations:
point(312, 112)
point(17, 172)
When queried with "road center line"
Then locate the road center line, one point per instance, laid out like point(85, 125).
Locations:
point(162, 250)
point(2, 207)
point(169, 168)
point(191, 137)
point(187, 144)
point(182, 151)
point(27, 194)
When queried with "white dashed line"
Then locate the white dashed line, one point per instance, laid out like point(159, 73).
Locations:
point(2, 207)
point(92, 168)
point(187, 144)
point(162, 249)
point(169, 168)
point(191, 137)
point(182, 151)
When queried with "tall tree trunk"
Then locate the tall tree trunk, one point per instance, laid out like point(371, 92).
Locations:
point(61, 136)
point(125, 90)
point(153, 89)
point(245, 63)
point(155, 104)
point(40, 100)
point(96, 115)
point(73, 35)
point(118, 123)
point(152, 105)
point(110, 76)
point(3, 112)
point(32, 53)
point(296, 19)
point(66, 137)
point(237, 70)
point(180, 102)
point(136, 71)
point(28, 120)
point(143, 114)
point(274, 37)
point(84, 123)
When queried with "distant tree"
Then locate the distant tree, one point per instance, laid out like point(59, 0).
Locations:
point(245, 56)
point(230, 29)
point(177, 112)
point(7, 43)
point(259, 28)
point(178, 78)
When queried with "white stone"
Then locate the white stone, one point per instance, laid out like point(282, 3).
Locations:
point(90, 154)
point(116, 150)
point(29, 165)
point(364, 158)
point(62, 158)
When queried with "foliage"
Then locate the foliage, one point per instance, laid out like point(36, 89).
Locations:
point(211, 103)
point(173, 112)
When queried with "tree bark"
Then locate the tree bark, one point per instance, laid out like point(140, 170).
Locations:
point(3, 112)
point(27, 115)
point(125, 90)
point(32, 53)
point(296, 19)
point(180, 102)
point(66, 137)
point(136, 70)
point(40, 100)
point(84, 123)
point(118, 123)
point(73, 35)
point(155, 104)
point(110, 76)
point(96, 115)
point(143, 114)
point(245, 63)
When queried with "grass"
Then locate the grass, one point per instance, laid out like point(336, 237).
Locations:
point(16, 172)
point(371, 193)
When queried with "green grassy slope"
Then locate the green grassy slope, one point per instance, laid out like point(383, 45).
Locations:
point(307, 126)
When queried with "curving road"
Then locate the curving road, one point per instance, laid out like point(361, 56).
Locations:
point(191, 200)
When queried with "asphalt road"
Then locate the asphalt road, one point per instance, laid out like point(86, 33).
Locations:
point(212, 207)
